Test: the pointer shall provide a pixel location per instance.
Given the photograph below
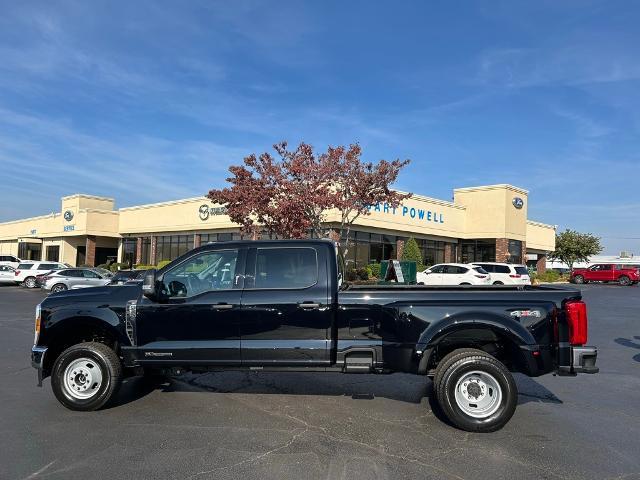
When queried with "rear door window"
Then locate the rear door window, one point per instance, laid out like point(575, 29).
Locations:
point(286, 268)
point(48, 266)
point(502, 269)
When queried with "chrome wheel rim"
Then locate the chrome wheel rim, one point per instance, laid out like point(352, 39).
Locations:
point(30, 283)
point(82, 378)
point(478, 394)
point(58, 288)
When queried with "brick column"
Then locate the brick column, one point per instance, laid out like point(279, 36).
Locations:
point(524, 253)
point(197, 240)
point(138, 250)
point(541, 264)
point(154, 244)
point(399, 249)
point(448, 253)
point(502, 249)
point(90, 245)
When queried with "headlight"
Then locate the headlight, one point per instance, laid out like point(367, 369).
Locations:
point(36, 333)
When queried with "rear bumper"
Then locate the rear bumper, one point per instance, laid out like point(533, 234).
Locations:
point(37, 361)
point(583, 360)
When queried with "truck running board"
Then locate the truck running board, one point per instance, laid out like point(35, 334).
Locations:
point(360, 362)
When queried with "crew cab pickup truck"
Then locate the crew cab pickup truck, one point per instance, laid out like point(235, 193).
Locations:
point(607, 272)
point(284, 305)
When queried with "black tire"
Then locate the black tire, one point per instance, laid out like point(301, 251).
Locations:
point(465, 283)
point(498, 283)
point(459, 366)
point(58, 287)
point(624, 281)
point(110, 370)
point(449, 360)
point(579, 279)
point(30, 282)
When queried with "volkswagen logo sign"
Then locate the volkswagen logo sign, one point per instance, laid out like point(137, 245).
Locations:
point(203, 211)
point(68, 215)
point(518, 202)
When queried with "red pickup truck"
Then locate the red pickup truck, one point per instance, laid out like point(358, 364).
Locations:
point(607, 272)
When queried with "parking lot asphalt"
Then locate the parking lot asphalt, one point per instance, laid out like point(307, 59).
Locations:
point(324, 426)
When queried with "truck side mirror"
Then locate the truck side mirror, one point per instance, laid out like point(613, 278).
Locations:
point(149, 289)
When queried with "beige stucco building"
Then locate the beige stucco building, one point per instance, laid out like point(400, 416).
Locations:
point(487, 223)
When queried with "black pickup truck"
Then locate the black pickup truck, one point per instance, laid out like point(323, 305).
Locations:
point(284, 305)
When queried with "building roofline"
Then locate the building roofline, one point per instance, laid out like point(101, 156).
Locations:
point(540, 224)
point(85, 195)
point(498, 186)
point(444, 203)
point(164, 204)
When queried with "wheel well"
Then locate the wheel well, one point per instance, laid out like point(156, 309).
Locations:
point(494, 343)
point(78, 331)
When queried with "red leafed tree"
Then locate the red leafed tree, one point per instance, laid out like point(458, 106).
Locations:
point(289, 196)
point(360, 185)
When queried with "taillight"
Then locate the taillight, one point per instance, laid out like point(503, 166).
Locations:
point(577, 321)
point(17, 272)
point(517, 275)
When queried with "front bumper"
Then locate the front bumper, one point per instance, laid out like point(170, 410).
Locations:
point(583, 360)
point(37, 361)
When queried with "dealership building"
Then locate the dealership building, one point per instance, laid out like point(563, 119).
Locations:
point(486, 223)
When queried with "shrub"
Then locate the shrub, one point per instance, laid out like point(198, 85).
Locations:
point(362, 273)
point(141, 266)
point(352, 275)
point(162, 263)
point(549, 276)
point(412, 253)
point(374, 268)
point(114, 267)
point(103, 265)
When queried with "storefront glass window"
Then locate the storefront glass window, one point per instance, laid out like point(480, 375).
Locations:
point(515, 251)
point(170, 247)
point(53, 253)
point(129, 246)
point(478, 251)
point(29, 251)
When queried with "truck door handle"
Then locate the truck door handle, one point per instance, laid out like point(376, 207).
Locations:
point(222, 306)
point(308, 305)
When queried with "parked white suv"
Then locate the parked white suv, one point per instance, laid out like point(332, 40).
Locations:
point(453, 274)
point(506, 273)
point(10, 260)
point(27, 271)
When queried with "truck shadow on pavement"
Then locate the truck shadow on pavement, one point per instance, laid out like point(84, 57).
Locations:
point(398, 386)
point(625, 342)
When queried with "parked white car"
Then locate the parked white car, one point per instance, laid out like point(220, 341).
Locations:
point(453, 274)
point(506, 273)
point(27, 271)
point(7, 274)
point(10, 260)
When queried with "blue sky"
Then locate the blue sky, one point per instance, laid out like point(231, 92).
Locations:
point(150, 101)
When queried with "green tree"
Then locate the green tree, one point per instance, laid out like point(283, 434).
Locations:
point(411, 252)
point(573, 247)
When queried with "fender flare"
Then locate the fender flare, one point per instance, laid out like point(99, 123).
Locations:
point(500, 326)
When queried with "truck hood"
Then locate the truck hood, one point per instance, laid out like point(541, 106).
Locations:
point(108, 295)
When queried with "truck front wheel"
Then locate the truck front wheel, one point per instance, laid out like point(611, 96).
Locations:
point(476, 391)
point(86, 376)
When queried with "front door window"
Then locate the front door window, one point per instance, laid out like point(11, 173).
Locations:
point(208, 271)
